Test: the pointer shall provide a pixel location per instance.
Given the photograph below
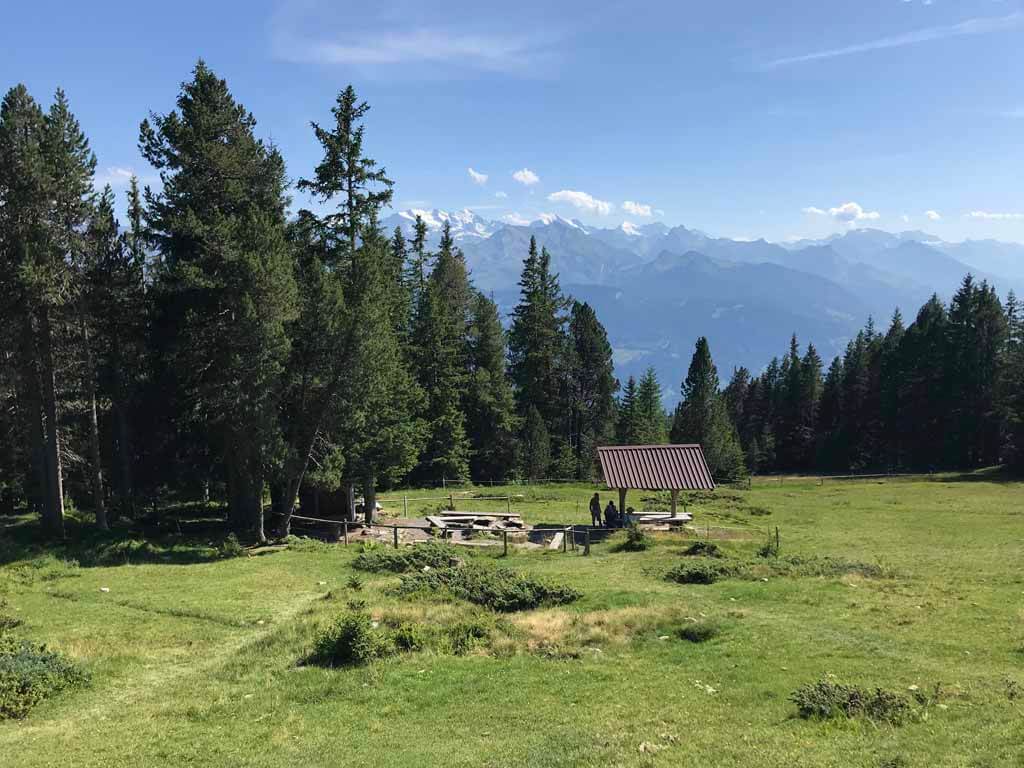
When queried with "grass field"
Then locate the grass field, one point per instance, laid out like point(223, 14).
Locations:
point(194, 658)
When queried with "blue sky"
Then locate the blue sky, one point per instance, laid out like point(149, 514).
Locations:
point(743, 118)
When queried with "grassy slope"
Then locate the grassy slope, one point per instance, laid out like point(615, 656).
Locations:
point(195, 664)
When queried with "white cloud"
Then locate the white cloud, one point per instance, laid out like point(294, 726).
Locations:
point(990, 216)
point(637, 209)
point(847, 213)
point(115, 176)
point(478, 178)
point(933, 215)
point(500, 195)
point(515, 219)
point(976, 26)
point(526, 177)
point(905, 218)
point(630, 229)
point(581, 200)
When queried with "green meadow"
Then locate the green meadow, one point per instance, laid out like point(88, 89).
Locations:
point(195, 658)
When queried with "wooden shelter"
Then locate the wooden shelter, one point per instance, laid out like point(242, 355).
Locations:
point(672, 468)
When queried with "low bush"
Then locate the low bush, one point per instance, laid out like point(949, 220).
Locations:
point(230, 547)
point(31, 673)
point(307, 544)
point(352, 640)
point(637, 540)
point(701, 571)
point(759, 511)
point(496, 588)
point(827, 699)
point(795, 565)
point(699, 631)
point(703, 549)
point(429, 554)
point(7, 621)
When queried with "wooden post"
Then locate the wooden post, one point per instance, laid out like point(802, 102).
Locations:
point(504, 542)
point(508, 504)
point(394, 528)
point(344, 528)
point(675, 498)
point(586, 542)
point(565, 539)
point(405, 506)
point(451, 501)
point(622, 501)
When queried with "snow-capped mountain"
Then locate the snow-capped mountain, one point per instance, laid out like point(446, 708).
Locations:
point(465, 224)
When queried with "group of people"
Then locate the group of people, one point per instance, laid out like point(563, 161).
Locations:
point(613, 518)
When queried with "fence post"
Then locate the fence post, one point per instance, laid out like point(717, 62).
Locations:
point(405, 506)
point(394, 528)
point(586, 543)
point(508, 504)
point(776, 538)
point(451, 501)
point(444, 483)
point(345, 530)
point(504, 542)
point(565, 539)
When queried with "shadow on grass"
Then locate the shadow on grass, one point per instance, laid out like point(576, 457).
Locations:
point(181, 536)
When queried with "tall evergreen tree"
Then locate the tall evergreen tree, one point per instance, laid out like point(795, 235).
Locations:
point(536, 445)
point(491, 419)
point(626, 426)
point(442, 336)
point(225, 282)
point(591, 387)
point(701, 417)
point(651, 420)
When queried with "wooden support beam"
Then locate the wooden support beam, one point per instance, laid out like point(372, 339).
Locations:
point(675, 499)
point(622, 501)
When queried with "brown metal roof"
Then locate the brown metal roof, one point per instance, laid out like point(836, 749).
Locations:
point(655, 467)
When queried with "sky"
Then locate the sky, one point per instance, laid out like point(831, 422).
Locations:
point(742, 118)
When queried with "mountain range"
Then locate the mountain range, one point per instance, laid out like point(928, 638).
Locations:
point(657, 288)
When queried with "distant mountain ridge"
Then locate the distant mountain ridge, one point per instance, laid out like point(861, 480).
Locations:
point(656, 288)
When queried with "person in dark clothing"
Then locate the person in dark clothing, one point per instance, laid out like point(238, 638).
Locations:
point(595, 511)
point(611, 515)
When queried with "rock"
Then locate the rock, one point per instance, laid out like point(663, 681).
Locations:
point(664, 637)
point(321, 583)
point(104, 589)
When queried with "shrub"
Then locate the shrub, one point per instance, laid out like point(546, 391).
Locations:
point(416, 558)
point(230, 547)
point(771, 546)
point(700, 631)
point(7, 622)
point(827, 699)
point(703, 549)
point(700, 571)
point(495, 588)
point(409, 637)
point(354, 583)
point(827, 566)
point(637, 540)
point(760, 511)
point(465, 636)
point(30, 673)
point(352, 640)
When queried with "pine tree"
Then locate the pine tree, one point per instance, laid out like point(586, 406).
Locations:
point(442, 347)
point(345, 175)
point(891, 383)
point(491, 420)
point(591, 387)
point(536, 456)
point(831, 450)
point(651, 421)
point(626, 425)
point(537, 338)
point(701, 417)
point(1011, 385)
point(923, 417)
point(225, 281)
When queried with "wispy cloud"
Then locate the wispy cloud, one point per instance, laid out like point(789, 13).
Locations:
point(990, 216)
point(581, 200)
point(933, 215)
point(308, 31)
point(115, 176)
point(976, 26)
point(477, 177)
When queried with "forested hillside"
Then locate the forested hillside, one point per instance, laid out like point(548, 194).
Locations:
point(218, 344)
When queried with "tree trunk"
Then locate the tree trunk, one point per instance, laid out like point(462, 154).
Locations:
point(126, 479)
point(96, 474)
point(53, 519)
point(369, 497)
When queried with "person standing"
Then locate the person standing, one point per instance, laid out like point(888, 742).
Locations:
point(595, 511)
point(611, 515)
